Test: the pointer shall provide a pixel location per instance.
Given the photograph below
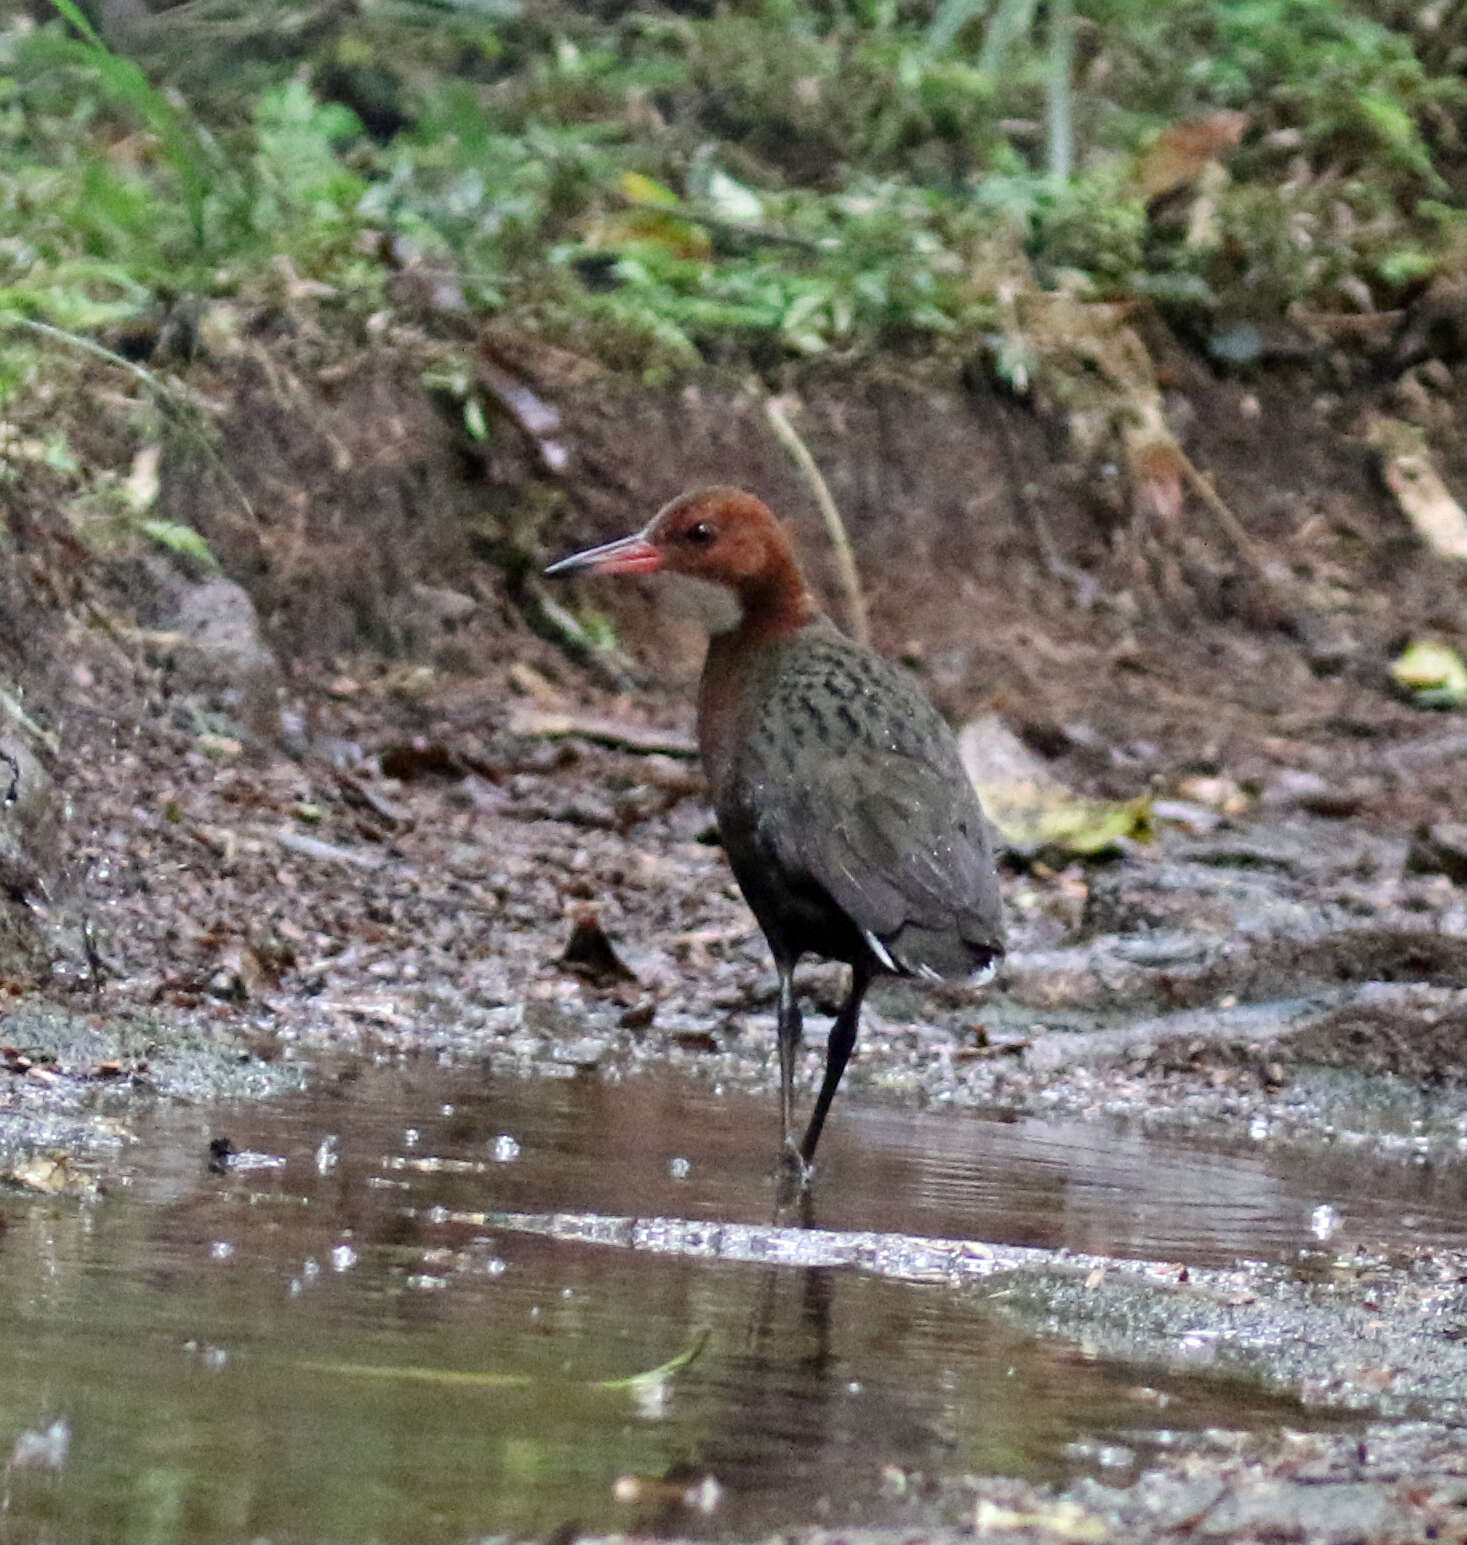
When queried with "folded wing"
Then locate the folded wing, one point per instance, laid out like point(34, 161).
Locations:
point(900, 844)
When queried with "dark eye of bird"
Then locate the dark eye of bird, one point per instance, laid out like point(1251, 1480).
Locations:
point(701, 534)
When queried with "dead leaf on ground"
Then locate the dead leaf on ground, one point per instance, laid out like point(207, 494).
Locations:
point(362, 796)
point(529, 682)
point(47, 1174)
point(1155, 467)
point(1432, 675)
point(591, 954)
point(421, 758)
point(142, 484)
point(409, 681)
point(240, 976)
point(1063, 1520)
point(639, 1016)
point(1217, 793)
point(1408, 469)
point(1033, 810)
point(696, 1040)
point(1184, 150)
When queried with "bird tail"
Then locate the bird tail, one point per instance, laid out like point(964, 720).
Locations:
point(937, 953)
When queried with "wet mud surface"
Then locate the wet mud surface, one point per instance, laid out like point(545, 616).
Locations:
point(414, 879)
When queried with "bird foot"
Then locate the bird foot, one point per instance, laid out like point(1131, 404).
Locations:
point(795, 1173)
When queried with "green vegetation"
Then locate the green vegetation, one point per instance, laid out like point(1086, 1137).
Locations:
point(744, 183)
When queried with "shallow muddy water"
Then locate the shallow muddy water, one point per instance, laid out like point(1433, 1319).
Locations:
point(334, 1337)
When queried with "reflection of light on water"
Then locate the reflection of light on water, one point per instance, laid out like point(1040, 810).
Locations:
point(45, 1449)
point(1081, 1185)
point(1085, 1185)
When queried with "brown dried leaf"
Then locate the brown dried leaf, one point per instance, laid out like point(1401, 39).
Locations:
point(1183, 151)
point(591, 954)
point(1408, 469)
point(47, 1174)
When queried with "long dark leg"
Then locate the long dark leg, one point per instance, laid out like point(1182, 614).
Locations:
point(789, 1044)
point(837, 1054)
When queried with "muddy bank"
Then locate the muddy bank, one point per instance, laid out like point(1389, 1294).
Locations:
point(74, 1081)
point(357, 791)
point(278, 906)
point(1393, 1483)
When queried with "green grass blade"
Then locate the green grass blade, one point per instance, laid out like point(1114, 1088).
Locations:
point(457, 1378)
point(661, 1374)
point(462, 1378)
point(73, 13)
point(183, 144)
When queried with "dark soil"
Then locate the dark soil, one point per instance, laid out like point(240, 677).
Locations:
point(401, 720)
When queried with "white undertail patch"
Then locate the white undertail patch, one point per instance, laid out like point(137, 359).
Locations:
point(880, 950)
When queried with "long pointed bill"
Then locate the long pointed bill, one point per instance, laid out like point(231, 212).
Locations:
point(628, 555)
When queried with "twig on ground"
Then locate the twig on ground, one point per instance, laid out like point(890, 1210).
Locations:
point(1231, 526)
point(14, 711)
point(643, 738)
point(835, 530)
point(553, 620)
